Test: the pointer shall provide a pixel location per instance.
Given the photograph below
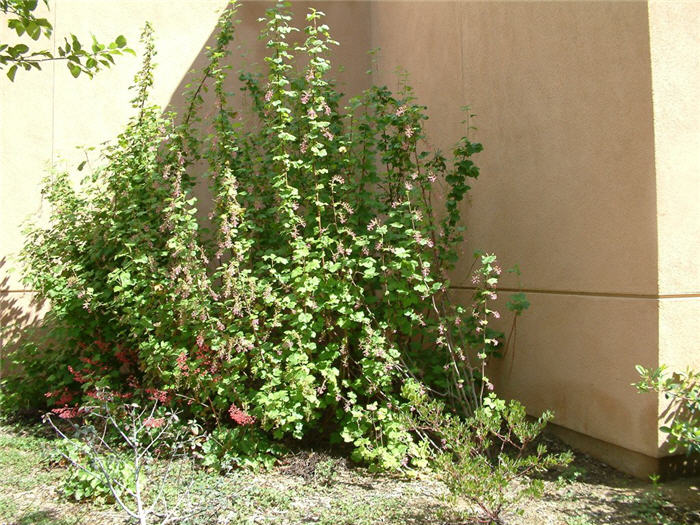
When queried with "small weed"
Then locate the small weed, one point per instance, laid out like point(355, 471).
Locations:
point(351, 512)
point(566, 480)
point(578, 520)
point(269, 497)
point(570, 475)
point(652, 507)
point(325, 472)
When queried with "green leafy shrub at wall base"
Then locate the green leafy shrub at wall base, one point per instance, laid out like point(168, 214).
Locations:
point(314, 289)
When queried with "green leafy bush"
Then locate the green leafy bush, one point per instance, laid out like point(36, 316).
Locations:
point(82, 484)
point(314, 289)
point(683, 389)
point(487, 460)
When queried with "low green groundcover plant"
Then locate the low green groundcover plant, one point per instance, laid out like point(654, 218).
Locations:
point(489, 460)
point(301, 306)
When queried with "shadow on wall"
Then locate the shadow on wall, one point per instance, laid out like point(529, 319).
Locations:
point(21, 311)
point(349, 23)
point(20, 319)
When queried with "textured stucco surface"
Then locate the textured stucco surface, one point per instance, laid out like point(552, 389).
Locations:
point(576, 355)
point(574, 149)
point(562, 93)
point(590, 174)
point(674, 29)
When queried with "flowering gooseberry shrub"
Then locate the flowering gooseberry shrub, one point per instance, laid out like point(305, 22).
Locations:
point(316, 285)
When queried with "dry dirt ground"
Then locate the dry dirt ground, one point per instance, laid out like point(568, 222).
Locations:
point(316, 488)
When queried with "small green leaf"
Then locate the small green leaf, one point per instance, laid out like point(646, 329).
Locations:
point(17, 25)
point(74, 69)
point(34, 31)
point(17, 50)
point(11, 73)
point(518, 302)
point(77, 46)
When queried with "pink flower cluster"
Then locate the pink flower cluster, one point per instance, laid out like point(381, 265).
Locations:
point(239, 416)
point(159, 395)
point(154, 422)
point(63, 396)
point(78, 376)
point(69, 412)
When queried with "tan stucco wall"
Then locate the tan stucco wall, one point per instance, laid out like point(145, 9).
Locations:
point(562, 93)
point(674, 29)
point(590, 183)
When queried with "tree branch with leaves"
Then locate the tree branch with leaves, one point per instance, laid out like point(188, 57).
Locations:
point(79, 58)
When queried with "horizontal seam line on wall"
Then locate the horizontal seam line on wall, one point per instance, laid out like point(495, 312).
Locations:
point(590, 294)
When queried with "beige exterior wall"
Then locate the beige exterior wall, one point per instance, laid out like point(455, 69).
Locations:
point(674, 29)
point(590, 182)
point(562, 93)
point(590, 174)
